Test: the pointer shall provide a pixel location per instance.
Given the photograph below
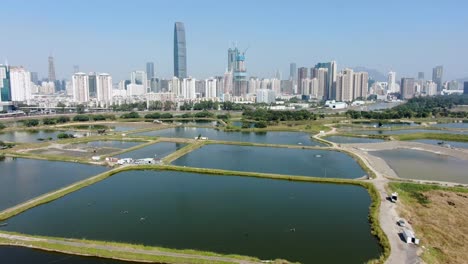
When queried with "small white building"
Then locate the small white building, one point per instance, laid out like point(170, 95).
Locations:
point(338, 105)
point(125, 161)
point(96, 158)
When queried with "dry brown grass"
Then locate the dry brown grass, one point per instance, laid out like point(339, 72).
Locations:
point(442, 225)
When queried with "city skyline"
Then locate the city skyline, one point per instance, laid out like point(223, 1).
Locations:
point(118, 50)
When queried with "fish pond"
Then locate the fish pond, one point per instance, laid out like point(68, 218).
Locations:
point(269, 219)
point(24, 179)
point(423, 165)
point(305, 162)
point(31, 136)
point(158, 150)
point(454, 144)
point(288, 138)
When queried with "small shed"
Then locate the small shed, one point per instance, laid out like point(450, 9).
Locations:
point(96, 158)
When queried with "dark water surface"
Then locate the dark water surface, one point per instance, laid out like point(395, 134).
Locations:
point(306, 222)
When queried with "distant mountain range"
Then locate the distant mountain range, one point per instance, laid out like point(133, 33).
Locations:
point(373, 73)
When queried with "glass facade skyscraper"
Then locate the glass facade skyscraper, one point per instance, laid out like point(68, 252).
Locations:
point(180, 51)
point(149, 70)
point(5, 87)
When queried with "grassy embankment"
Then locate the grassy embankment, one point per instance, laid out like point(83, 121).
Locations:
point(124, 251)
point(442, 137)
point(373, 214)
point(439, 216)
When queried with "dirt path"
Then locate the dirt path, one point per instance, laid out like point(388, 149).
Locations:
point(24, 240)
point(388, 216)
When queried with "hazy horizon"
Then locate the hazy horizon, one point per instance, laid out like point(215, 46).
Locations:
point(104, 36)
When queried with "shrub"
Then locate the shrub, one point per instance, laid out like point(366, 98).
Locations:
point(98, 117)
point(261, 124)
point(81, 118)
point(62, 119)
point(153, 116)
point(130, 115)
point(166, 115)
point(31, 122)
point(2, 126)
point(64, 135)
point(204, 114)
point(49, 121)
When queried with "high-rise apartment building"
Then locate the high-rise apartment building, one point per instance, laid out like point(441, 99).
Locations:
point(301, 75)
point(104, 89)
point(345, 85)
point(407, 88)
point(80, 84)
point(228, 82)
point(51, 69)
point(437, 74)
point(391, 80)
point(361, 85)
point(330, 92)
point(266, 96)
point(322, 77)
point(139, 78)
point(180, 51)
point(149, 70)
point(430, 88)
point(210, 88)
point(21, 85)
point(188, 88)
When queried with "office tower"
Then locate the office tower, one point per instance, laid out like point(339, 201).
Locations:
point(34, 78)
point(437, 73)
point(155, 85)
point(330, 92)
point(200, 87)
point(392, 87)
point(361, 83)
point(20, 83)
point(232, 53)
point(80, 87)
point(240, 76)
point(51, 69)
point(92, 85)
point(180, 51)
point(407, 88)
point(344, 86)
point(292, 71)
point(5, 88)
point(188, 88)
point(104, 89)
point(420, 75)
point(76, 68)
point(254, 85)
point(301, 75)
point(465, 88)
point(149, 70)
point(210, 88)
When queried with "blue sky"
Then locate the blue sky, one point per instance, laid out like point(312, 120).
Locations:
point(121, 36)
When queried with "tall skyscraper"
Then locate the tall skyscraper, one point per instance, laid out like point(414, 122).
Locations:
point(80, 87)
point(292, 71)
point(437, 73)
point(465, 88)
point(407, 88)
point(240, 76)
point(149, 70)
point(51, 69)
point(5, 88)
point(232, 53)
point(92, 85)
point(301, 75)
point(180, 51)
